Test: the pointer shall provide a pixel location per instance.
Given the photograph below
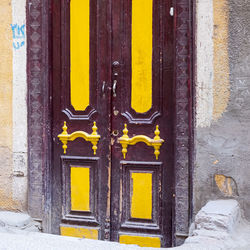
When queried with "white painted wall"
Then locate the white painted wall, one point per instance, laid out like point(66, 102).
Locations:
point(204, 68)
point(19, 105)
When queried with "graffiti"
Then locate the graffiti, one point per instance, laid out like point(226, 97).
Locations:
point(241, 92)
point(18, 45)
point(18, 32)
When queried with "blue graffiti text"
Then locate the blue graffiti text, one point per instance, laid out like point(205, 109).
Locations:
point(18, 32)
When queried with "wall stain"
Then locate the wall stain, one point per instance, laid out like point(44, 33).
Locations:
point(227, 185)
point(7, 203)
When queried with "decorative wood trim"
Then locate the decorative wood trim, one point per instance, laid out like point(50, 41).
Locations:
point(38, 33)
point(183, 119)
point(38, 48)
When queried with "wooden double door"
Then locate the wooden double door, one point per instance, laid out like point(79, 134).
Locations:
point(112, 99)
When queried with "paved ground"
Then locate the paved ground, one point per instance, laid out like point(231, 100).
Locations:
point(218, 226)
point(39, 241)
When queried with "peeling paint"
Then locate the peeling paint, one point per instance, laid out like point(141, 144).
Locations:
point(221, 86)
point(222, 152)
point(226, 185)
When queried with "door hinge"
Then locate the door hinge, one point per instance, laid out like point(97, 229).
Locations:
point(171, 11)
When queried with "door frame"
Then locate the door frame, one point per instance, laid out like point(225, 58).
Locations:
point(39, 34)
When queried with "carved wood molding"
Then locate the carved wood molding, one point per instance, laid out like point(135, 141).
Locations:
point(183, 119)
point(38, 105)
point(35, 106)
point(38, 113)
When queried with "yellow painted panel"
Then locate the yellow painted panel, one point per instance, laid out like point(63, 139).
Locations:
point(80, 188)
point(79, 53)
point(142, 49)
point(80, 232)
point(141, 241)
point(141, 201)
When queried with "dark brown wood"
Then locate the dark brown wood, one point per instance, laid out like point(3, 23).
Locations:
point(65, 29)
point(161, 113)
point(183, 118)
point(155, 168)
point(38, 78)
point(38, 69)
point(125, 74)
point(80, 121)
point(74, 217)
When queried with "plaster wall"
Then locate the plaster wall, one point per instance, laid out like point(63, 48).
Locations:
point(6, 53)
point(13, 107)
point(19, 102)
point(222, 140)
point(204, 73)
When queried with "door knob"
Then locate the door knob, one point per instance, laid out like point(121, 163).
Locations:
point(115, 133)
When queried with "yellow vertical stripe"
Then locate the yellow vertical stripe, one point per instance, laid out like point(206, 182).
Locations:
point(141, 201)
point(142, 48)
point(79, 53)
point(80, 232)
point(80, 188)
point(141, 241)
point(221, 86)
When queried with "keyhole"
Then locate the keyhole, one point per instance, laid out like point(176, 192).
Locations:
point(115, 133)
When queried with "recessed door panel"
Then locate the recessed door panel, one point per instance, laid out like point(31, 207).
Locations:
point(79, 58)
point(80, 188)
point(141, 195)
point(142, 58)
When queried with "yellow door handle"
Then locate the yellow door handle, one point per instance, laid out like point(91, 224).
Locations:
point(155, 143)
point(64, 137)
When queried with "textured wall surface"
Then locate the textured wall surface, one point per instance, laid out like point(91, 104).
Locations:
point(19, 116)
point(204, 69)
point(6, 200)
point(13, 117)
point(223, 147)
